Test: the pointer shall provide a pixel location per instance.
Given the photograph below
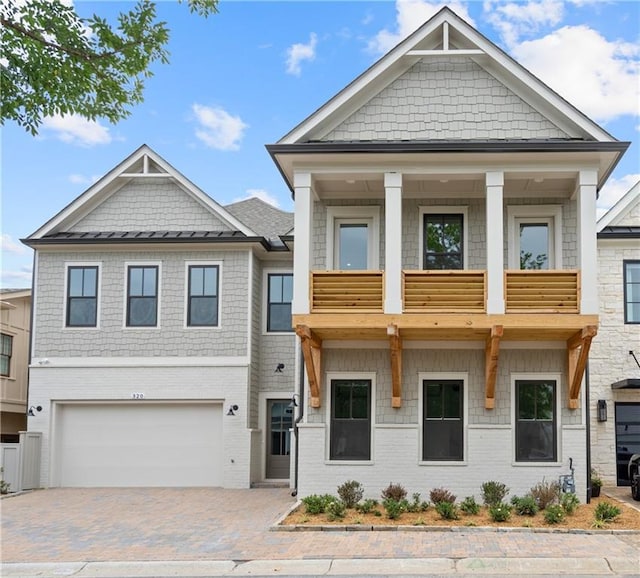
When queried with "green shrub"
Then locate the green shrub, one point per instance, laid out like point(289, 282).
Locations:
point(417, 505)
point(447, 510)
point(500, 512)
point(366, 506)
point(351, 493)
point(394, 508)
point(545, 493)
point(553, 514)
point(438, 495)
point(525, 506)
point(606, 512)
point(569, 503)
point(394, 492)
point(335, 510)
point(493, 493)
point(316, 504)
point(470, 506)
point(4, 486)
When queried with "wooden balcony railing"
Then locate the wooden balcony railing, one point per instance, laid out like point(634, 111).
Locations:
point(347, 291)
point(542, 291)
point(444, 291)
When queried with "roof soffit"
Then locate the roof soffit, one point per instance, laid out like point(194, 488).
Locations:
point(446, 30)
point(145, 163)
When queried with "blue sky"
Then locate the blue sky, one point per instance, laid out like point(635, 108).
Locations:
point(244, 77)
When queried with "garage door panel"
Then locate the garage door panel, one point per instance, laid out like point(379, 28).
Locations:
point(140, 445)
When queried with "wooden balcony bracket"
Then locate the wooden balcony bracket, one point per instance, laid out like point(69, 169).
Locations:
point(492, 351)
point(312, 354)
point(578, 353)
point(395, 343)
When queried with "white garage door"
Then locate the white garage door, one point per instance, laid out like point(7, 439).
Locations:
point(139, 444)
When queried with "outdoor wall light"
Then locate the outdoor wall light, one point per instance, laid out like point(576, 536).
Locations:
point(294, 402)
point(602, 410)
point(279, 367)
point(232, 409)
point(33, 409)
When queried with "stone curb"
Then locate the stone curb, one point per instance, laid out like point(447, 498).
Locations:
point(278, 527)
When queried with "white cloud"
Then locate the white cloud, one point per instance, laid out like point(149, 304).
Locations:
point(75, 129)
point(613, 191)
point(410, 15)
point(10, 246)
point(259, 194)
point(296, 53)
point(78, 179)
point(218, 129)
point(16, 279)
point(599, 77)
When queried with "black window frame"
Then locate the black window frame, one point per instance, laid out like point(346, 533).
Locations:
point(437, 427)
point(351, 427)
point(528, 424)
point(433, 217)
point(271, 302)
point(154, 297)
point(5, 337)
point(71, 299)
point(627, 298)
point(215, 296)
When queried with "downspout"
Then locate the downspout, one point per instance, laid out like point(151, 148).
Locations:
point(300, 394)
point(588, 432)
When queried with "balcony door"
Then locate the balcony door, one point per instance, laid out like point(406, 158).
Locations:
point(352, 244)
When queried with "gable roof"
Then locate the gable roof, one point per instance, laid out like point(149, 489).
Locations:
point(143, 163)
point(611, 219)
point(446, 34)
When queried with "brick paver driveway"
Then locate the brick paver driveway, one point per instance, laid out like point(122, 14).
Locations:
point(67, 525)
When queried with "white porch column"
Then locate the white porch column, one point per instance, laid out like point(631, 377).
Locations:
point(587, 242)
point(303, 221)
point(393, 242)
point(495, 242)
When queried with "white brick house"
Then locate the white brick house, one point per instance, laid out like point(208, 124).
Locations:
point(445, 209)
point(613, 364)
point(159, 320)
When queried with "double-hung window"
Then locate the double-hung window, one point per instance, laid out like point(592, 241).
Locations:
point(350, 419)
point(6, 351)
point(536, 431)
point(443, 424)
point(142, 296)
point(279, 296)
point(631, 291)
point(82, 296)
point(203, 289)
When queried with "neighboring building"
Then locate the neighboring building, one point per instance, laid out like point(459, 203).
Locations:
point(160, 319)
point(613, 365)
point(445, 204)
point(15, 311)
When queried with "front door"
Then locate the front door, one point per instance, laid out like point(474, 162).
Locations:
point(279, 424)
point(627, 438)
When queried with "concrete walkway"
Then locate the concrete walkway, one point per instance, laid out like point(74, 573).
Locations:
point(212, 532)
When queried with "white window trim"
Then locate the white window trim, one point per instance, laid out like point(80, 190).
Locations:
point(265, 299)
point(557, 377)
point(356, 214)
point(128, 264)
point(67, 265)
point(329, 377)
point(186, 325)
point(464, 377)
point(445, 210)
point(551, 214)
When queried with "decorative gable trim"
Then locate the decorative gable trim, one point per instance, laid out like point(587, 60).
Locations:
point(143, 163)
point(446, 34)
